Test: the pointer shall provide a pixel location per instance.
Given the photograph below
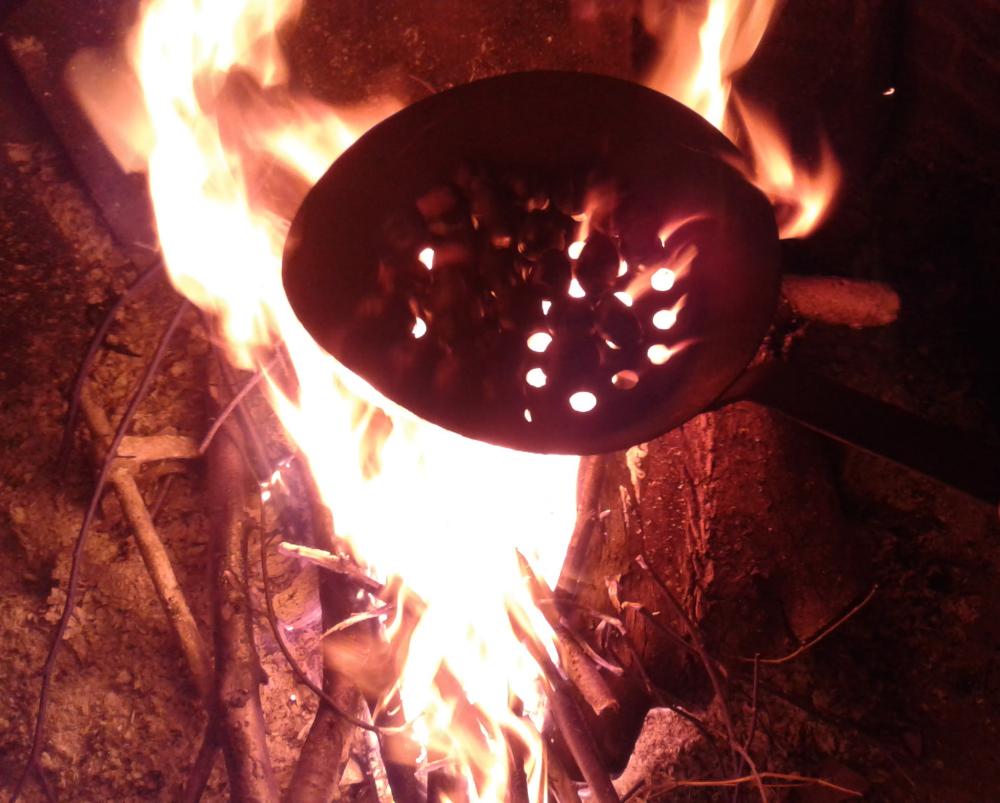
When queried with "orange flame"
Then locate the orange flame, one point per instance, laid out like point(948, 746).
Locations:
point(231, 151)
point(703, 46)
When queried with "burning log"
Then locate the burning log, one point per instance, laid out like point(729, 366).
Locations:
point(573, 729)
point(583, 672)
point(569, 720)
point(394, 753)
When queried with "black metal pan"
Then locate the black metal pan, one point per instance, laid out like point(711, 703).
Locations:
point(651, 178)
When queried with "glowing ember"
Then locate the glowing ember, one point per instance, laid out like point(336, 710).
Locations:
point(539, 341)
point(583, 401)
point(546, 306)
point(622, 268)
point(427, 257)
point(536, 378)
point(662, 279)
point(575, 249)
point(625, 380)
point(658, 354)
point(664, 319)
point(575, 289)
point(624, 297)
point(419, 328)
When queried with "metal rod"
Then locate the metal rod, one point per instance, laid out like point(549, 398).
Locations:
point(967, 462)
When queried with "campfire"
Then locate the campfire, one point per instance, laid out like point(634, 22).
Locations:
point(400, 540)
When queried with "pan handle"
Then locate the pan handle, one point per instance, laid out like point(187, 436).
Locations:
point(960, 459)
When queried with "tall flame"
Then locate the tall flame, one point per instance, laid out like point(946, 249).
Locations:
point(703, 45)
point(445, 511)
point(231, 151)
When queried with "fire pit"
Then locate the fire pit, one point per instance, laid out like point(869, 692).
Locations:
point(747, 600)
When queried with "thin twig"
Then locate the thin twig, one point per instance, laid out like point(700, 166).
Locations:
point(699, 647)
point(788, 779)
point(377, 771)
point(357, 619)
point(629, 501)
point(752, 730)
point(581, 669)
point(826, 631)
point(590, 480)
point(559, 778)
point(651, 618)
point(342, 566)
point(154, 554)
point(161, 497)
point(753, 720)
point(755, 775)
point(660, 696)
point(710, 668)
point(204, 763)
point(88, 360)
point(73, 584)
point(43, 782)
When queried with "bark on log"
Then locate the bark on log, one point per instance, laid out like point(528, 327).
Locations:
point(736, 510)
point(238, 671)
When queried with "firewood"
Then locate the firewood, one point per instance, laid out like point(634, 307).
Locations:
point(237, 668)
